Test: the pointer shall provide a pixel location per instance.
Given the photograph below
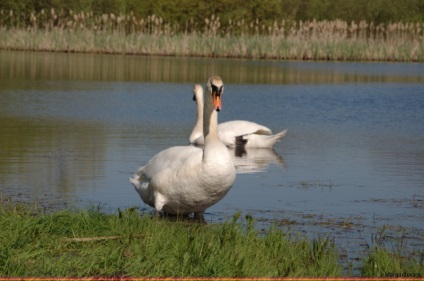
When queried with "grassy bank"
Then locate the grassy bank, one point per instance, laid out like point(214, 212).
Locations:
point(91, 243)
point(127, 34)
point(293, 47)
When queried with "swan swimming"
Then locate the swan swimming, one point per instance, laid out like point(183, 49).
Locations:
point(237, 133)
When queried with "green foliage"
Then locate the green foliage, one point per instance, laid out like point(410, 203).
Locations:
point(193, 13)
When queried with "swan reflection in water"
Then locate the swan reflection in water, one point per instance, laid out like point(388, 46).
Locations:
point(254, 160)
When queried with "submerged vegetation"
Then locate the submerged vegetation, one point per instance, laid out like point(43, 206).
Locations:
point(305, 30)
point(90, 243)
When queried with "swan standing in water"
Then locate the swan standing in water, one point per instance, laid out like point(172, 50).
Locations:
point(187, 179)
point(237, 133)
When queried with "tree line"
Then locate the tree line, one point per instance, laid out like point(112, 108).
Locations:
point(183, 13)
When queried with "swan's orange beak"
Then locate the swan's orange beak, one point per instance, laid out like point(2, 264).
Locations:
point(216, 101)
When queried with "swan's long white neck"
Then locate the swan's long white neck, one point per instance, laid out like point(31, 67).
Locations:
point(214, 151)
point(198, 127)
point(210, 121)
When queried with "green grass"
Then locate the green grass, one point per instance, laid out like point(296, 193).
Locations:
point(127, 244)
point(80, 243)
point(383, 263)
point(399, 262)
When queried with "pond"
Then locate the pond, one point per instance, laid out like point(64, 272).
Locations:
point(75, 127)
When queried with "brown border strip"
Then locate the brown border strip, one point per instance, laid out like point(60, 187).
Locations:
point(212, 278)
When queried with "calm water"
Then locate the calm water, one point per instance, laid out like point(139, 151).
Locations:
point(74, 127)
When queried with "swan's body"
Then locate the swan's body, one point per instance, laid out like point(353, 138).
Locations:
point(188, 179)
point(237, 133)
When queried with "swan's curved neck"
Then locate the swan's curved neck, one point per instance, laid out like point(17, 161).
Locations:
point(198, 127)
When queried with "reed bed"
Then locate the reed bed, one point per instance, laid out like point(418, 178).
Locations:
point(127, 34)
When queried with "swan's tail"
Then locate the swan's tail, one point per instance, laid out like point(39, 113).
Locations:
point(280, 135)
point(137, 178)
point(272, 139)
point(263, 141)
point(135, 181)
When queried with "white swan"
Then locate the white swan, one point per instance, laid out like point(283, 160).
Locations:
point(188, 179)
point(237, 133)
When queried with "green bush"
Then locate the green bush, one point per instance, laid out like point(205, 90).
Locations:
point(193, 12)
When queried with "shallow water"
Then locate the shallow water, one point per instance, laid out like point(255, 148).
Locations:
point(74, 127)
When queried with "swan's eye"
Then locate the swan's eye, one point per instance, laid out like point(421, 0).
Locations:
point(217, 90)
point(214, 89)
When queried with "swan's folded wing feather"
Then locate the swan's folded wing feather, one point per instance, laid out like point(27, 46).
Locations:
point(228, 131)
point(242, 127)
point(171, 159)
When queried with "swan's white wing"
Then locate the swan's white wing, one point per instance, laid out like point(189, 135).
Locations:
point(245, 134)
point(228, 131)
point(242, 127)
point(172, 159)
point(171, 167)
point(176, 181)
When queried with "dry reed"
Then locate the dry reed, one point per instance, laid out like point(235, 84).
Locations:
point(310, 40)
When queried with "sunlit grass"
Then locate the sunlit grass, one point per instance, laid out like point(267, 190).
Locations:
point(383, 263)
point(91, 243)
point(399, 261)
